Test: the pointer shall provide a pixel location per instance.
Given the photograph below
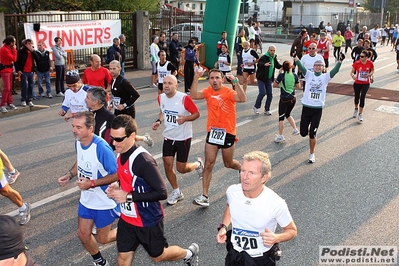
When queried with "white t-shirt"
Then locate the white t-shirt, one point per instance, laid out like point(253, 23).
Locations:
point(162, 71)
point(248, 58)
point(251, 216)
point(223, 67)
point(308, 61)
point(172, 108)
point(374, 35)
point(95, 161)
point(314, 95)
point(75, 100)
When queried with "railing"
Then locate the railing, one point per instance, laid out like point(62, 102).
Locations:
point(200, 55)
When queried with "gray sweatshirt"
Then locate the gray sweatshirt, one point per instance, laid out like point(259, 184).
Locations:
point(59, 55)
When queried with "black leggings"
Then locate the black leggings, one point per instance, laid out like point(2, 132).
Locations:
point(337, 50)
point(188, 75)
point(285, 107)
point(312, 117)
point(348, 45)
point(360, 93)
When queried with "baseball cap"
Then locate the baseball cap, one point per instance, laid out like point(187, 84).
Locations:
point(72, 76)
point(11, 236)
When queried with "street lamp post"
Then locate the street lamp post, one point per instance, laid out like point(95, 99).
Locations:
point(301, 11)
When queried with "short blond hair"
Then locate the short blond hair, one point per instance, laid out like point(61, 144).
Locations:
point(263, 157)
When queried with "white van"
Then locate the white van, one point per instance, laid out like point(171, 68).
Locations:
point(186, 32)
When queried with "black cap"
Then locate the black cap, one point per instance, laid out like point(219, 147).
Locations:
point(11, 238)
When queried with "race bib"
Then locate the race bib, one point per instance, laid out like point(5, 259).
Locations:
point(171, 118)
point(217, 136)
point(315, 95)
point(248, 241)
point(116, 101)
point(129, 209)
point(161, 76)
point(246, 64)
point(85, 174)
point(362, 76)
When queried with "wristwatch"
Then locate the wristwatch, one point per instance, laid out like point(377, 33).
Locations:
point(129, 197)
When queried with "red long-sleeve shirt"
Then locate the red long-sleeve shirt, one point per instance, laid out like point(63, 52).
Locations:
point(7, 57)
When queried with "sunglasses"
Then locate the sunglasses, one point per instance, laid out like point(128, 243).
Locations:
point(74, 72)
point(362, 56)
point(312, 48)
point(119, 139)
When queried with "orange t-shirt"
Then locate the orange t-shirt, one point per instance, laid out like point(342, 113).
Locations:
point(221, 109)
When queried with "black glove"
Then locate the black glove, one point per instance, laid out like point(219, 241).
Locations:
point(294, 54)
point(341, 56)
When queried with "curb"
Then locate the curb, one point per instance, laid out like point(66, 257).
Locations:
point(22, 110)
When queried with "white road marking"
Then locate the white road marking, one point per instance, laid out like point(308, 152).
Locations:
point(47, 200)
point(75, 189)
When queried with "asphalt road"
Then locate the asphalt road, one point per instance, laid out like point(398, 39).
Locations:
point(349, 196)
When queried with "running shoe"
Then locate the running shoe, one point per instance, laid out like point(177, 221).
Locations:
point(355, 113)
point(12, 106)
point(41, 94)
point(295, 131)
point(202, 201)
point(98, 264)
point(60, 94)
point(279, 139)
point(30, 103)
point(256, 110)
point(312, 158)
point(267, 113)
point(12, 177)
point(3, 109)
point(360, 118)
point(23, 103)
point(200, 167)
point(49, 95)
point(193, 260)
point(25, 215)
point(175, 197)
point(148, 140)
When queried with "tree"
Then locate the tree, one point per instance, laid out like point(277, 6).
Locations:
point(29, 6)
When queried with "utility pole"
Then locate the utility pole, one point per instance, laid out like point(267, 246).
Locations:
point(382, 13)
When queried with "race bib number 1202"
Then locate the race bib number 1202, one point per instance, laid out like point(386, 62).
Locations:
point(217, 136)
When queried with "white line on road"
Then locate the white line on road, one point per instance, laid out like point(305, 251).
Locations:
point(74, 189)
point(47, 200)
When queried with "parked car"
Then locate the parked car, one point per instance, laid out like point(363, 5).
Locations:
point(297, 30)
point(186, 32)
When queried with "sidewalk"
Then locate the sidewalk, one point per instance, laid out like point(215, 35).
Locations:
point(139, 78)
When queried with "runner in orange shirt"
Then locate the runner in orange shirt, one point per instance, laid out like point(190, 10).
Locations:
point(221, 125)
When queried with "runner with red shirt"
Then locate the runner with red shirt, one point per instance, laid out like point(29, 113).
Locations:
point(362, 71)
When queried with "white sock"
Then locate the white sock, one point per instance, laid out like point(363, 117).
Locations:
point(23, 207)
point(12, 172)
point(189, 254)
point(177, 190)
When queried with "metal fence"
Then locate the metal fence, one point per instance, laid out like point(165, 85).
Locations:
point(14, 25)
point(168, 20)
